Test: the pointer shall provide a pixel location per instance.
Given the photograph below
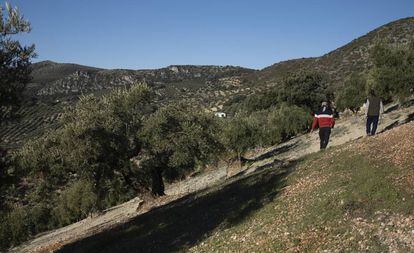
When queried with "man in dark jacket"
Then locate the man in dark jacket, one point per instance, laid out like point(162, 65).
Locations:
point(325, 121)
point(373, 109)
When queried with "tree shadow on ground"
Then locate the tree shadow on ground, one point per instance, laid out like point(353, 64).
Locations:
point(340, 131)
point(396, 123)
point(184, 222)
point(390, 126)
point(409, 118)
point(405, 104)
point(277, 150)
point(392, 108)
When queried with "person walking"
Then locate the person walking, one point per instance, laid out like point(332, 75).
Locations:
point(373, 109)
point(325, 121)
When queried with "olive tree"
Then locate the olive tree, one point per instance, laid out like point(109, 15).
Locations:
point(95, 143)
point(393, 72)
point(176, 140)
point(352, 94)
point(243, 132)
point(305, 89)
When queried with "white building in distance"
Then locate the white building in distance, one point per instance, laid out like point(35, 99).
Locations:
point(220, 114)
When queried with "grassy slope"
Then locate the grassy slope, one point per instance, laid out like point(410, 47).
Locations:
point(356, 197)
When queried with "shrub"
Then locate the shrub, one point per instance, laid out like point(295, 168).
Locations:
point(352, 94)
point(266, 127)
point(75, 203)
point(242, 133)
point(393, 72)
point(21, 222)
point(19, 225)
point(305, 89)
point(286, 121)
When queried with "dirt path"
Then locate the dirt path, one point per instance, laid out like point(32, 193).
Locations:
point(347, 129)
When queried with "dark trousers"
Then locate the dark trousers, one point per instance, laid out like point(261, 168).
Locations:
point(372, 123)
point(324, 133)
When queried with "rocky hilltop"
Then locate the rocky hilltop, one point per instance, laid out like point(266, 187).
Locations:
point(189, 81)
point(80, 79)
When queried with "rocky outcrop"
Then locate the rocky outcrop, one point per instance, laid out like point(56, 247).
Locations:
point(82, 81)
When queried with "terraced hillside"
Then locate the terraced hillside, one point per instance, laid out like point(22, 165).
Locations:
point(57, 85)
point(30, 121)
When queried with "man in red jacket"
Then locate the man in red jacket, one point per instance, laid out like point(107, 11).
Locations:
point(325, 121)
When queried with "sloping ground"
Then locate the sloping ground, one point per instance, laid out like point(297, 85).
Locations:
point(356, 197)
point(30, 121)
point(48, 71)
point(189, 214)
point(346, 129)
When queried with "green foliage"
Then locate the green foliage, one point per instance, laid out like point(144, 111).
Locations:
point(272, 117)
point(20, 223)
point(17, 225)
point(42, 157)
point(266, 127)
point(286, 121)
point(14, 60)
point(75, 203)
point(13, 23)
point(96, 141)
point(352, 94)
point(393, 72)
point(88, 156)
point(263, 101)
point(242, 133)
point(305, 89)
point(176, 139)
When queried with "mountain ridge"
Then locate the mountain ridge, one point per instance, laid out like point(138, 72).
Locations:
point(351, 57)
point(337, 64)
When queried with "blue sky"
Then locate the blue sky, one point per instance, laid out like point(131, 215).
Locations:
point(153, 33)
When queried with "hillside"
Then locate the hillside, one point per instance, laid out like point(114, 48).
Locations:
point(350, 58)
point(56, 85)
point(354, 198)
point(49, 71)
point(85, 80)
point(220, 200)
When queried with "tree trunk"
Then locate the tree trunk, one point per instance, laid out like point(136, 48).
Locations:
point(157, 182)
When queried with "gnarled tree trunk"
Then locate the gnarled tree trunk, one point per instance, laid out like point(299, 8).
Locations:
point(157, 182)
